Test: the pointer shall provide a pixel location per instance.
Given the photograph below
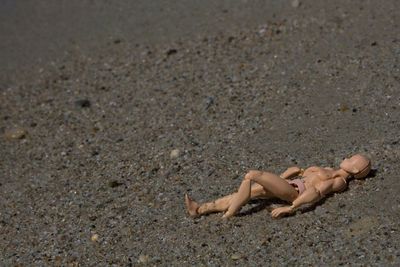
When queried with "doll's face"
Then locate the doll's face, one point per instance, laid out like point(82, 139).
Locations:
point(357, 165)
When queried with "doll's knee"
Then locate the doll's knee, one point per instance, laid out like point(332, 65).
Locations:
point(251, 174)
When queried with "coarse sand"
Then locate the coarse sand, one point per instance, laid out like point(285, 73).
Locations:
point(101, 138)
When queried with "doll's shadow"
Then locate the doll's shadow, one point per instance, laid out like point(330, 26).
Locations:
point(271, 204)
point(371, 174)
point(262, 204)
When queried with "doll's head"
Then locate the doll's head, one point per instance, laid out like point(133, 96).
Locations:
point(358, 165)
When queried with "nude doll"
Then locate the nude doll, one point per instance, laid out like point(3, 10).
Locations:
point(310, 186)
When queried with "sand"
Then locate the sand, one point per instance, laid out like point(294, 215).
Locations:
point(104, 127)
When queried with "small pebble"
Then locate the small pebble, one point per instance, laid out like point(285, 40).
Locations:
point(175, 154)
point(83, 103)
point(171, 52)
point(114, 184)
point(143, 258)
point(296, 3)
point(236, 256)
point(343, 108)
point(209, 101)
point(95, 237)
point(14, 134)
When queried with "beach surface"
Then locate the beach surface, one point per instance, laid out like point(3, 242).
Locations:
point(111, 111)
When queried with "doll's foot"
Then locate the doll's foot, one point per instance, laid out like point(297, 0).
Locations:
point(227, 215)
point(191, 206)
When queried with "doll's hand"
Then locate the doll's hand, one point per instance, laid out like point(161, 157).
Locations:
point(291, 172)
point(279, 212)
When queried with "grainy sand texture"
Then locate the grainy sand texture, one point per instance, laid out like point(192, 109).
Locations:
point(111, 111)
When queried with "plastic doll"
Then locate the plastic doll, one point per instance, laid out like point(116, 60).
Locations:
point(309, 186)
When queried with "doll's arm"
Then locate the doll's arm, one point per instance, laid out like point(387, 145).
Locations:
point(308, 196)
point(312, 194)
point(318, 192)
point(291, 172)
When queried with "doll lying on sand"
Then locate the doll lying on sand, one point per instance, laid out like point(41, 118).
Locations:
point(310, 185)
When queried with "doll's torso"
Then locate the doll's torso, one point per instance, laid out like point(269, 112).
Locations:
point(314, 175)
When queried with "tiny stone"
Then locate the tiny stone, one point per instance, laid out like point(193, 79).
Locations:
point(171, 52)
point(235, 78)
point(95, 237)
point(143, 258)
point(16, 133)
point(175, 153)
point(209, 101)
point(319, 211)
point(296, 3)
point(236, 256)
point(114, 184)
point(343, 108)
point(83, 103)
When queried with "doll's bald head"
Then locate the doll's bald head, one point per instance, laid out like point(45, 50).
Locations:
point(358, 165)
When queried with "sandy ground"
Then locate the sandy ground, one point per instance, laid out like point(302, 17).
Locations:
point(90, 115)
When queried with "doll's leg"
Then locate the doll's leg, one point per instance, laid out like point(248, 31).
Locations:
point(278, 187)
point(195, 209)
point(239, 199)
point(273, 185)
point(218, 205)
point(221, 204)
